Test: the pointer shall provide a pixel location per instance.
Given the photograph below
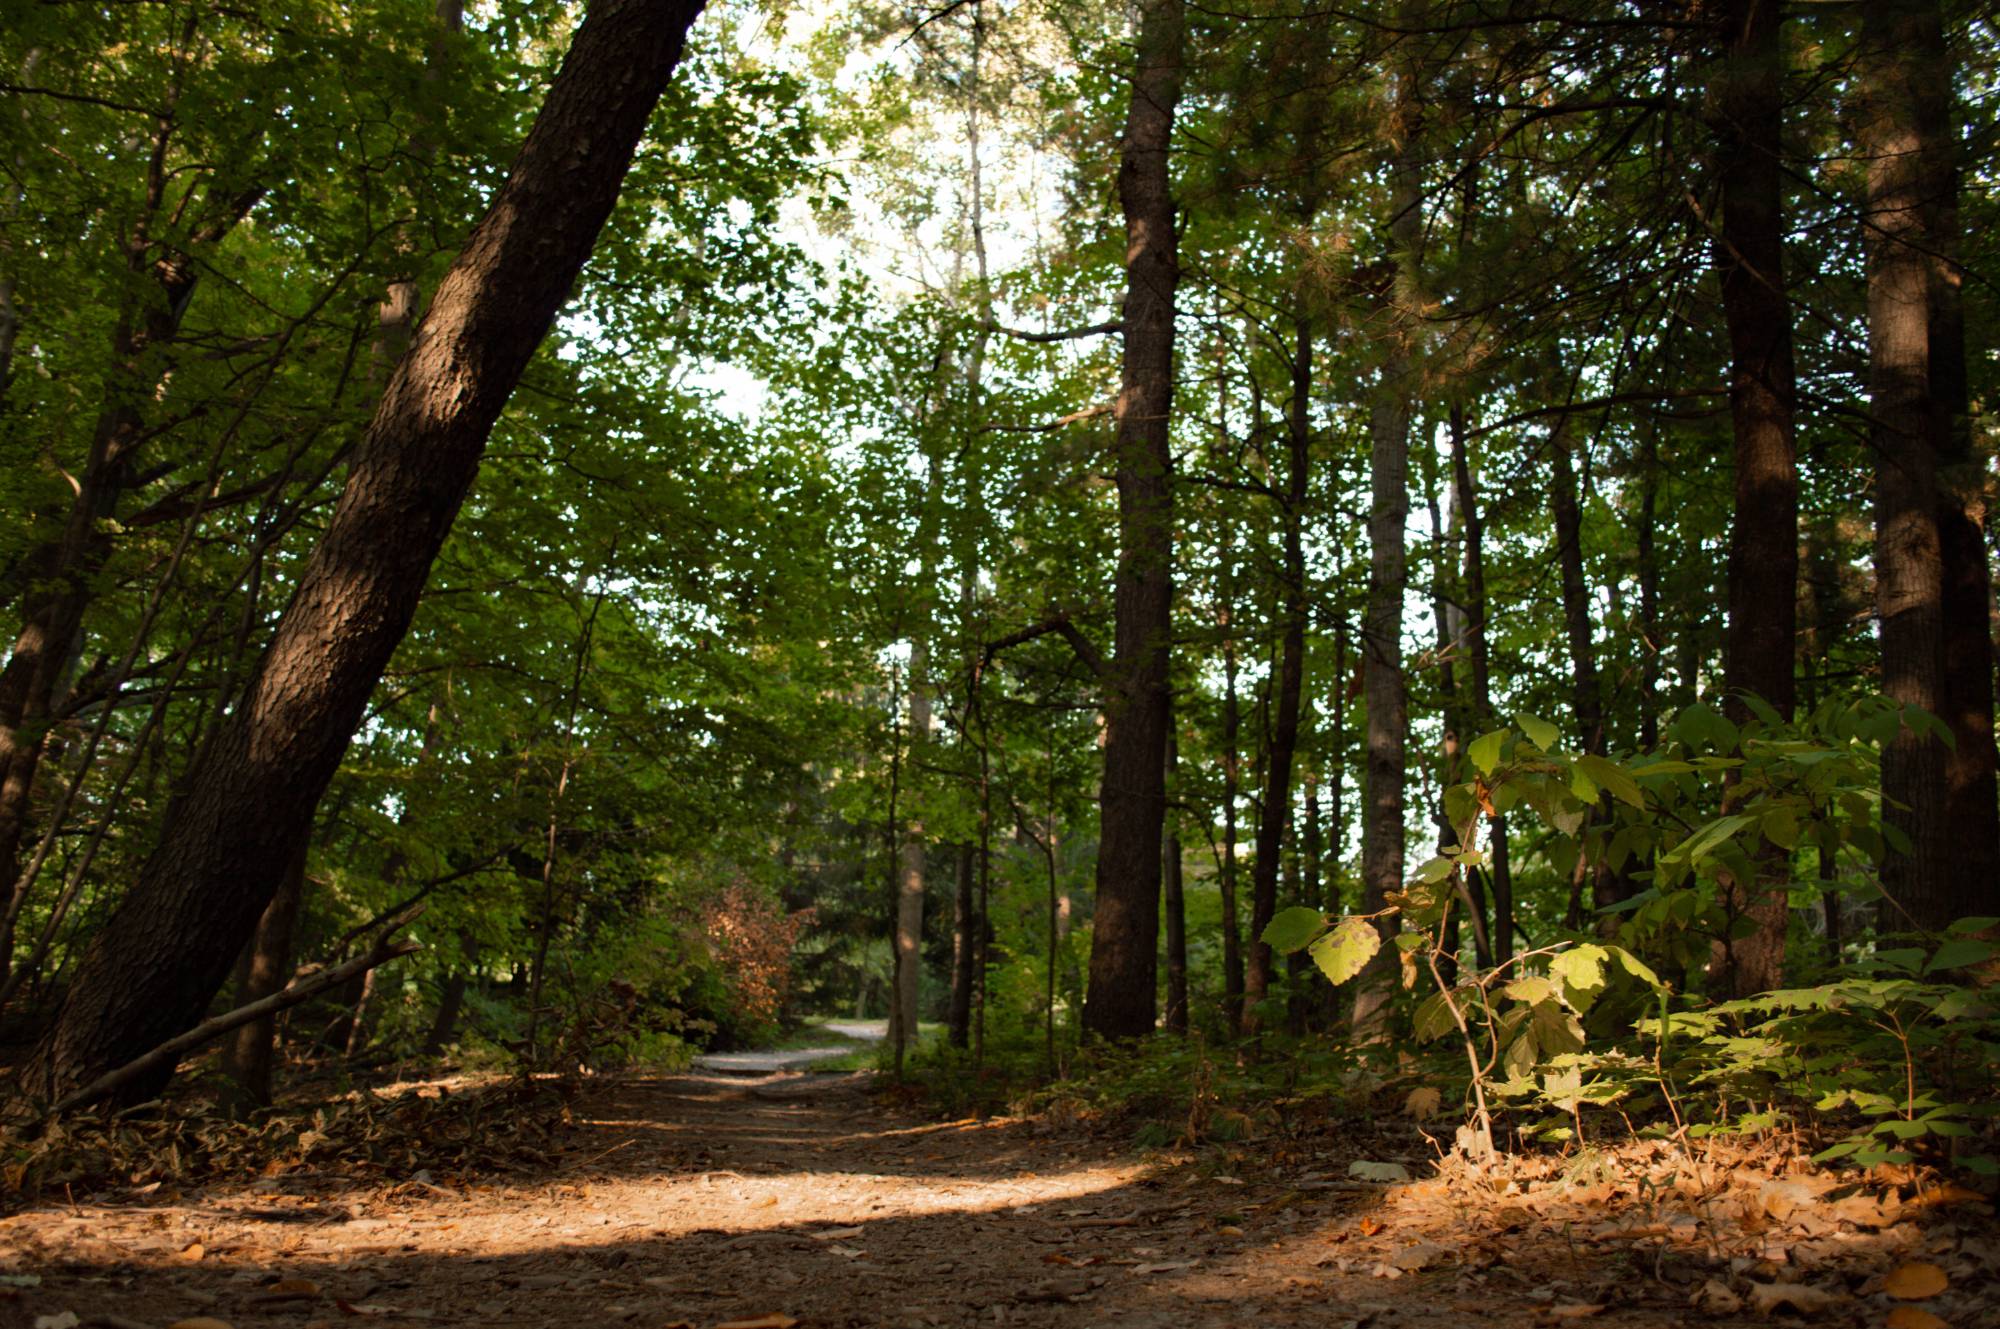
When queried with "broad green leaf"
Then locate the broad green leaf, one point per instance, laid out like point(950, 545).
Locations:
point(1485, 751)
point(1345, 951)
point(1781, 827)
point(1435, 869)
point(1539, 731)
point(1959, 952)
point(1611, 777)
point(1293, 929)
point(1965, 925)
point(1580, 970)
point(1531, 990)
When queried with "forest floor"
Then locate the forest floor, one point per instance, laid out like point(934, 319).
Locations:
point(707, 1200)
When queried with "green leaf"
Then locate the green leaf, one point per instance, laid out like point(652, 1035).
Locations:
point(1485, 751)
point(1611, 777)
point(1345, 951)
point(1293, 929)
point(1580, 970)
point(1434, 870)
point(1539, 731)
point(1960, 952)
point(1965, 925)
point(1531, 990)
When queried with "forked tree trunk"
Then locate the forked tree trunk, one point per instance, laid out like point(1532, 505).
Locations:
point(1121, 1001)
point(249, 800)
point(1764, 536)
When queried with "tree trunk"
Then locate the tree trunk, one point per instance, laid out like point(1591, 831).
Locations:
point(1500, 878)
point(451, 1001)
point(962, 947)
point(249, 800)
point(1121, 1001)
point(1274, 816)
point(1383, 684)
point(1225, 870)
point(1764, 536)
point(247, 1055)
point(1930, 565)
point(910, 877)
point(1174, 900)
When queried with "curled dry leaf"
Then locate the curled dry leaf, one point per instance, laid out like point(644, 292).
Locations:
point(1914, 1317)
point(1715, 1297)
point(1915, 1281)
point(1422, 1103)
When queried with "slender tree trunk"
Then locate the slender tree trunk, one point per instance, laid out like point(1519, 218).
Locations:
point(1500, 878)
point(962, 947)
point(1232, 930)
point(909, 938)
point(247, 1055)
point(1388, 517)
point(1586, 697)
point(451, 1002)
point(1764, 536)
point(1121, 1001)
point(1649, 590)
point(250, 799)
point(1174, 902)
point(1275, 814)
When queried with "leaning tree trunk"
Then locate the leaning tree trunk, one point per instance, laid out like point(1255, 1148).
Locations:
point(1764, 537)
point(249, 799)
point(1121, 1001)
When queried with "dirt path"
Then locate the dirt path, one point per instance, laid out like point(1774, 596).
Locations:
point(792, 1059)
point(706, 1200)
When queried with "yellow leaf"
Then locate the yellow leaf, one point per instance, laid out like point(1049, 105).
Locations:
point(1915, 1281)
point(194, 1251)
point(1422, 1103)
point(1914, 1317)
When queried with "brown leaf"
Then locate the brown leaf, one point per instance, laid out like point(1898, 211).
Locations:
point(1573, 1310)
point(1422, 1103)
point(1914, 1317)
point(193, 1251)
point(1915, 1281)
point(1715, 1297)
point(771, 1321)
point(1769, 1298)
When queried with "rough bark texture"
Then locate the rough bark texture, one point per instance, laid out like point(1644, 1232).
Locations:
point(247, 1055)
point(963, 949)
point(248, 800)
point(1764, 542)
point(1121, 1001)
point(1275, 812)
point(910, 877)
point(1932, 580)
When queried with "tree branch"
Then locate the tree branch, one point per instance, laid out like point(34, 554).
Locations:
point(1068, 334)
point(1092, 658)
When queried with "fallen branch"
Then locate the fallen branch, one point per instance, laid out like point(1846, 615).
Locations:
point(169, 1052)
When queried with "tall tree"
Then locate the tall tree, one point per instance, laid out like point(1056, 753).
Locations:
point(1931, 573)
point(249, 799)
point(1764, 532)
point(1121, 1001)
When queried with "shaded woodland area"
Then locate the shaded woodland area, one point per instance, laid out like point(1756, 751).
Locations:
point(1425, 562)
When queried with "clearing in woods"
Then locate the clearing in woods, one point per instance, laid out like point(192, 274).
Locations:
point(708, 1199)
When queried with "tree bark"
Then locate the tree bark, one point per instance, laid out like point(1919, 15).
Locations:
point(1932, 580)
point(1500, 878)
point(1121, 1001)
point(247, 1057)
point(1761, 642)
point(249, 799)
point(1383, 683)
point(1174, 901)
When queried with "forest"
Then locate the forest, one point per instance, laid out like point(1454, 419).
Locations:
point(1210, 578)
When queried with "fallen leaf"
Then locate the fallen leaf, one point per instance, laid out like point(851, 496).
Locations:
point(1229, 1230)
point(1915, 1281)
point(1420, 1256)
point(1944, 1197)
point(1422, 1103)
point(1573, 1310)
point(835, 1234)
point(1914, 1317)
point(1779, 1198)
point(60, 1320)
point(1368, 1227)
point(771, 1321)
point(1769, 1298)
point(364, 1309)
point(1715, 1297)
point(1163, 1268)
point(193, 1251)
point(1363, 1170)
point(289, 1289)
